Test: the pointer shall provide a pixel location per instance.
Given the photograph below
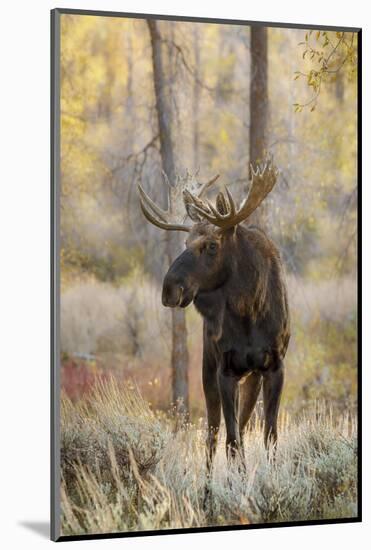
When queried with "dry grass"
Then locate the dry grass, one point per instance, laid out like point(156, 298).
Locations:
point(101, 317)
point(126, 468)
point(331, 300)
point(98, 316)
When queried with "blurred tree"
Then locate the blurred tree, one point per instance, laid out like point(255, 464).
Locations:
point(179, 351)
point(196, 98)
point(258, 106)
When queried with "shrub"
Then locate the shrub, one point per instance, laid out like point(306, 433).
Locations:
point(126, 468)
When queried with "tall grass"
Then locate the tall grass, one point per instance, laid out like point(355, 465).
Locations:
point(127, 468)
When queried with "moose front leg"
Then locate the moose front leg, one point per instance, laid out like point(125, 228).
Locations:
point(213, 406)
point(249, 393)
point(229, 392)
point(272, 389)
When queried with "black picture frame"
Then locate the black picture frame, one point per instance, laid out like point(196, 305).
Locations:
point(55, 273)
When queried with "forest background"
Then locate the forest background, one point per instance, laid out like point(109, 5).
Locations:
point(140, 98)
point(113, 261)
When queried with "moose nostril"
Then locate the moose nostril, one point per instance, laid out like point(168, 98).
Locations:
point(171, 294)
point(180, 295)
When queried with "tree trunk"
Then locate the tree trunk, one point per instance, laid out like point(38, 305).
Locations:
point(258, 106)
point(196, 98)
point(179, 350)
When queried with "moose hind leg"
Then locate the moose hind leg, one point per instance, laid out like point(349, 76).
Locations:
point(272, 389)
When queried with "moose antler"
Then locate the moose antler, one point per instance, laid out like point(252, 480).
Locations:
point(225, 214)
point(174, 217)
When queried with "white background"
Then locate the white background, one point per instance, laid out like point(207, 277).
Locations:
point(24, 249)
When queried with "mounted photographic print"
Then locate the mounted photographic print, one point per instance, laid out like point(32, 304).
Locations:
point(205, 194)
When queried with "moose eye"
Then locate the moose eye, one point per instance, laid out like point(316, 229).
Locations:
point(212, 248)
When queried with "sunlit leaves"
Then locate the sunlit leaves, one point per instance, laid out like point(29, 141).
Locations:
point(327, 53)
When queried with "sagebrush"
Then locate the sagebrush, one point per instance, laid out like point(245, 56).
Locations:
point(128, 468)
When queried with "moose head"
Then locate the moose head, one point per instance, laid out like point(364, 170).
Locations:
point(205, 263)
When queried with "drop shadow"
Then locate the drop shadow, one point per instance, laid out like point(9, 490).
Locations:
point(42, 528)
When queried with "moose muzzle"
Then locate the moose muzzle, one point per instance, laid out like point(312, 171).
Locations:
point(177, 289)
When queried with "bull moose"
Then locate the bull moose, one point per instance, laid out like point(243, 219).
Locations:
point(234, 276)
